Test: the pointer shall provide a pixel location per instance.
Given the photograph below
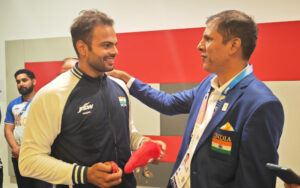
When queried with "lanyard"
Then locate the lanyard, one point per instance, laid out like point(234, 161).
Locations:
point(233, 83)
point(25, 107)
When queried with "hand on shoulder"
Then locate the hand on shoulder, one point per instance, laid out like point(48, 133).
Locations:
point(120, 75)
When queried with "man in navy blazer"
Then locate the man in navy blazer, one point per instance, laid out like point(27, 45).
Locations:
point(235, 122)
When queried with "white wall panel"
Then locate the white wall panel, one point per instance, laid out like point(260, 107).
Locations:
point(146, 120)
point(289, 148)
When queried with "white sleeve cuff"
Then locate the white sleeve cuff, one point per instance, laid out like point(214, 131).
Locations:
point(129, 83)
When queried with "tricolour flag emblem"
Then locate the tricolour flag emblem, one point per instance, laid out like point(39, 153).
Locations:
point(221, 144)
point(122, 101)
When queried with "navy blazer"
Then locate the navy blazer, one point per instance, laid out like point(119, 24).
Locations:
point(256, 116)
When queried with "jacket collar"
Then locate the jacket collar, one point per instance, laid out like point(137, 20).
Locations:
point(76, 71)
point(231, 98)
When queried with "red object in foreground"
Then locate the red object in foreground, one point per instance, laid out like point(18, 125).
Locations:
point(141, 157)
point(114, 167)
point(173, 145)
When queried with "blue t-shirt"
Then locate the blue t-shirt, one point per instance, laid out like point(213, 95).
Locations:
point(16, 114)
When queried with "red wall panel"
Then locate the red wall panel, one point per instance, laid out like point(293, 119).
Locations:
point(170, 56)
point(44, 71)
point(276, 56)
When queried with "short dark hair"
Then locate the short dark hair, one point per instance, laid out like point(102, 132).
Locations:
point(233, 23)
point(29, 73)
point(83, 26)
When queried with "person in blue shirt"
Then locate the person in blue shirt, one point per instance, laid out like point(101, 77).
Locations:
point(15, 120)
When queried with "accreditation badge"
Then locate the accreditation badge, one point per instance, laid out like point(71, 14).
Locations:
point(183, 172)
point(181, 176)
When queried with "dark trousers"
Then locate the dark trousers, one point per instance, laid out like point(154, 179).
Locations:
point(24, 182)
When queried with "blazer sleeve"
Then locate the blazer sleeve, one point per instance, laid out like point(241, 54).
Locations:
point(135, 137)
point(259, 144)
point(165, 103)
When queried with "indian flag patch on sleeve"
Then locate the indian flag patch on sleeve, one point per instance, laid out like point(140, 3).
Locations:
point(122, 101)
point(221, 144)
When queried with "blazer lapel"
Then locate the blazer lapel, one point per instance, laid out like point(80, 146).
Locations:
point(190, 129)
point(231, 98)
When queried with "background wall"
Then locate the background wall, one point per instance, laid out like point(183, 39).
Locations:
point(34, 19)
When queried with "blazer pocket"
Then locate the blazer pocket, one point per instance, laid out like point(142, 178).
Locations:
point(224, 145)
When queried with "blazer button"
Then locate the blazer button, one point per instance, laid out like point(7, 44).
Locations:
point(194, 172)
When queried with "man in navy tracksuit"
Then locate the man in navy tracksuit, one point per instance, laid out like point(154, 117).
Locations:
point(81, 120)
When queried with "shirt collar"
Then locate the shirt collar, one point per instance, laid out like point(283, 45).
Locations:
point(214, 82)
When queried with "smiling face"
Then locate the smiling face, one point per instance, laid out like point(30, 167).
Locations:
point(214, 53)
point(99, 58)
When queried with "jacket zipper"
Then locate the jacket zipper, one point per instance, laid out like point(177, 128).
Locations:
point(102, 86)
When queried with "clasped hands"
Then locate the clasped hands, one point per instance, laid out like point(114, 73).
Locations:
point(108, 174)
